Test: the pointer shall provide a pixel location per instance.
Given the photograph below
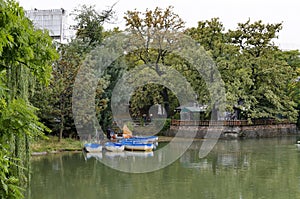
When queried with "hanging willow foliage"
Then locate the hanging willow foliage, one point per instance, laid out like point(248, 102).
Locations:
point(26, 56)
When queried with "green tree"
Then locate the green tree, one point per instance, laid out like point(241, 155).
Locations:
point(57, 112)
point(153, 32)
point(54, 101)
point(292, 57)
point(266, 94)
point(211, 36)
point(26, 55)
point(89, 26)
point(255, 74)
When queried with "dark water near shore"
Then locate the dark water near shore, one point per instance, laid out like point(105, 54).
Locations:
point(254, 168)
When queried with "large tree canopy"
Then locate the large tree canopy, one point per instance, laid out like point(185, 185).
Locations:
point(252, 67)
point(55, 101)
point(154, 32)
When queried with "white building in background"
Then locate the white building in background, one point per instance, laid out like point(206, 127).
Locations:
point(54, 20)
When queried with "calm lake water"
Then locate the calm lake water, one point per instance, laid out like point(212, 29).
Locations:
point(255, 168)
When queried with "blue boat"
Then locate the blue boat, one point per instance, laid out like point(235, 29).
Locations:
point(92, 147)
point(144, 139)
point(137, 146)
point(114, 146)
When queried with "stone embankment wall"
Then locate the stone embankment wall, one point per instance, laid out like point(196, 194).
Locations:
point(253, 131)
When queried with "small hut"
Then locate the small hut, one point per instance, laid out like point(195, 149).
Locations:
point(191, 111)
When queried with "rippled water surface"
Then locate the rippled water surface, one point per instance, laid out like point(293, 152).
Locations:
point(255, 168)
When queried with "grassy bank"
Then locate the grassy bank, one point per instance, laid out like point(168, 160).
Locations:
point(52, 144)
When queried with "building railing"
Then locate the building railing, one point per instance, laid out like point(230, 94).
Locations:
point(228, 122)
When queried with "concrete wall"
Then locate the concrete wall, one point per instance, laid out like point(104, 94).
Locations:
point(259, 131)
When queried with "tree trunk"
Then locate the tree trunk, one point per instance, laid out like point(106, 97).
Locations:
point(61, 130)
point(165, 96)
point(214, 113)
point(62, 108)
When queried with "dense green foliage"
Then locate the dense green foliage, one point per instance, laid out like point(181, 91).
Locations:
point(89, 27)
point(26, 55)
point(9, 182)
point(153, 33)
point(55, 101)
point(256, 72)
point(260, 79)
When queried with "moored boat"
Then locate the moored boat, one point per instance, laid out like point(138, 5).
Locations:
point(92, 147)
point(142, 139)
point(138, 146)
point(114, 147)
point(152, 138)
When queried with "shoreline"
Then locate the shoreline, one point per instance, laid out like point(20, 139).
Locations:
point(161, 139)
point(55, 152)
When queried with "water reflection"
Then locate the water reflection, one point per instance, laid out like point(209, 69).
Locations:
point(227, 153)
point(267, 168)
point(97, 156)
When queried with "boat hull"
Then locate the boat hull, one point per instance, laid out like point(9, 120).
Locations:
point(114, 147)
point(131, 146)
point(92, 147)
